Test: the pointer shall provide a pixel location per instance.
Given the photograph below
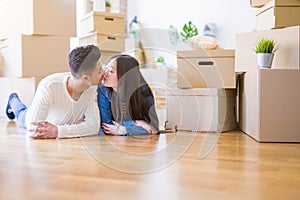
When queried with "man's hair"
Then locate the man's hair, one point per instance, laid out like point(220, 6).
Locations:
point(83, 60)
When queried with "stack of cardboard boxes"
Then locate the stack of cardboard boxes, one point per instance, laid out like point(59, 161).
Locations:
point(107, 30)
point(34, 42)
point(276, 13)
point(205, 97)
point(269, 98)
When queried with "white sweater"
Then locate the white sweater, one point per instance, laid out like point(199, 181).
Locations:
point(53, 103)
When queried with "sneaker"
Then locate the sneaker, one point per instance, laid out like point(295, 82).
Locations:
point(9, 112)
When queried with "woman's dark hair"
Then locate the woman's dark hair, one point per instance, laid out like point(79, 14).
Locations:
point(83, 60)
point(133, 90)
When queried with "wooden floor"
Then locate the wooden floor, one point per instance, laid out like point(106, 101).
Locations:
point(171, 166)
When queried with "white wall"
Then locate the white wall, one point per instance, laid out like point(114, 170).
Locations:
point(230, 16)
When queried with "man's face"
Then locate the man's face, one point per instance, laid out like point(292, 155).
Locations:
point(97, 75)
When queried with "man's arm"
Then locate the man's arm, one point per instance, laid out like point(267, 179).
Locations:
point(89, 126)
point(43, 129)
point(38, 110)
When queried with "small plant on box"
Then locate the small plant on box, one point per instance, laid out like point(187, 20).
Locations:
point(265, 49)
point(107, 6)
point(266, 46)
point(160, 60)
point(107, 3)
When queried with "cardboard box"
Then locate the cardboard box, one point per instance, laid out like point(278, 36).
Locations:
point(278, 14)
point(157, 79)
point(32, 55)
point(285, 2)
point(131, 44)
point(24, 87)
point(206, 69)
point(106, 54)
point(269, 104)
point(40, 17)
point(105, 42)
point(286, 57)
point(103, 23)
point(138, 53)
point(258, 3)
point(201, 109)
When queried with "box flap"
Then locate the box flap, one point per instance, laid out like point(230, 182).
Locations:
point(265, 8)
point(205, 53)
point(121, 35)
point(258, 3)
point(278, 3)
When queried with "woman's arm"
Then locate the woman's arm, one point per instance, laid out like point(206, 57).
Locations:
point(104, 106)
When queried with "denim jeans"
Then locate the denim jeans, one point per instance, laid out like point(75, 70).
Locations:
point(19, 110)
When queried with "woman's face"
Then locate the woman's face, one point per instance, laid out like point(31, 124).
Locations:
point(110, 76)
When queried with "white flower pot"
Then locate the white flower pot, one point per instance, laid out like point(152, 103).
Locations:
point(264, 60)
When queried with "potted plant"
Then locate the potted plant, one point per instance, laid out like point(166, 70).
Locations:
point(107, 6)
point(265, 49)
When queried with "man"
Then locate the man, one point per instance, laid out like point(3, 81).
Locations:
point(65, 104)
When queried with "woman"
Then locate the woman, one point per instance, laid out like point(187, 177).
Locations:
point(125, 100)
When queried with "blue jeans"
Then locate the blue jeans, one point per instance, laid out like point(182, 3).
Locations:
point(19, 110)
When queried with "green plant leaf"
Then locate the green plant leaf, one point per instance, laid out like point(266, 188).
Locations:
point(266, 46)
point(189, 30)
point(107, 3)
point(185, 28)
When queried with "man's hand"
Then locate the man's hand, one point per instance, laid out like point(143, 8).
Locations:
point(114, 129)
point(43, 130)
point(145, 126)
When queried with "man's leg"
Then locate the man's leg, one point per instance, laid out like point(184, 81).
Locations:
point(16, 108)
point(9, 112)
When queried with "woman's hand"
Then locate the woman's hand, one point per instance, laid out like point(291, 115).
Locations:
point(146, 126)
point(114, 129)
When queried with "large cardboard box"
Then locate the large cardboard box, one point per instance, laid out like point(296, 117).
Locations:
point(102, 23)
point(134, 49)
point(105, 42)
point(206, 69)
point(41, 17)
point(138, 54)
point(201, 109)
point(157, 78)
point(269, 104)
point(278, 14)
point(24, 87)
point(105, 55)
point(258, 3)
point(286, 57)
point(33, 55)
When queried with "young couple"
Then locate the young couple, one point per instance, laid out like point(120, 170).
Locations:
point(66, 105)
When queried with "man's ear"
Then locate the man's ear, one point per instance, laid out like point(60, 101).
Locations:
point(84, 77)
